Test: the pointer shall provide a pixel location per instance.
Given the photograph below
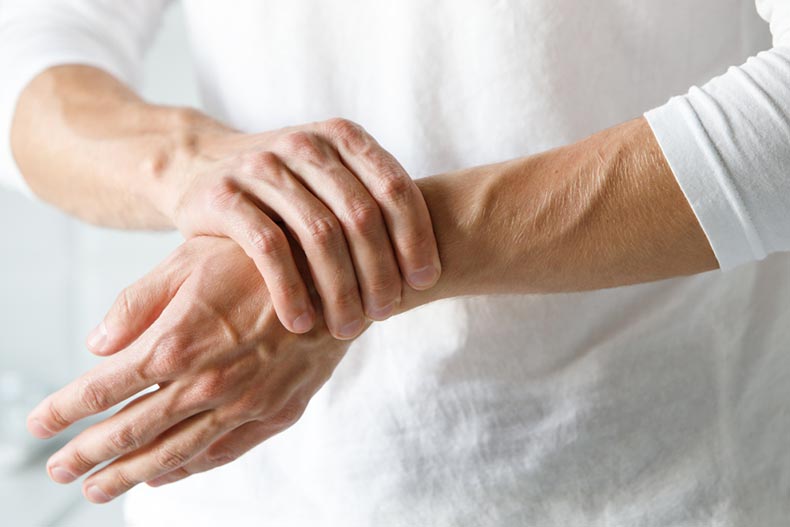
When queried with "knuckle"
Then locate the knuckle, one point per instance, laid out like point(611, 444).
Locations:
point(125, 304)
point(168, 355)
point(324, 231)
point(257, 163)
point(170, 458)
point(341, 125)
point(288, 287)
point(211, 385)
point(346, 297)
point(266, 240)
point(124, 440)
point(93, 396)
point(363, 216)
point(385, 163)
point(395, 188)
point(56, 416)
point(245, 408)
point(383, 285)
point(348, 133)
point(222, 195)
point(302, 144)
point(124, 480)
point(82, 462)
point(420, 242)
point(287, 416)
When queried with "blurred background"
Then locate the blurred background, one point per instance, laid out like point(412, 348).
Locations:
point(57, 278)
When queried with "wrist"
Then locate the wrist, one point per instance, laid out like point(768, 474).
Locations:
point(454, 202)
point(483, 221)
point(181, 147)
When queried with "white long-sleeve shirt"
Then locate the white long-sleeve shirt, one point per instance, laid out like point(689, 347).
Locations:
point(728, 143)
point(657, 404)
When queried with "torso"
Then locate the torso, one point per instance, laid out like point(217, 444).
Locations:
point(657, 404)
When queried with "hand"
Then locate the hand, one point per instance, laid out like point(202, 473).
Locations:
point(356, 213)
point(229, 375)
point(360, 219)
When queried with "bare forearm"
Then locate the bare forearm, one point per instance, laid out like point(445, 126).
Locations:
point(90, 146)
point(87, 144)
point(600, 213)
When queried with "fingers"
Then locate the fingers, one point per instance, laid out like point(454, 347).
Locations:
point(321, 237)
point(136, 425)
point(173, 449)
point(401, 202)
point(135, 309)
point(320, 169)
point(266, 244)
point(115, 379)
point(237, 442)
point(224, 450)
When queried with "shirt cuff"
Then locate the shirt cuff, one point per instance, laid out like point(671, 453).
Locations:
point(706, 182)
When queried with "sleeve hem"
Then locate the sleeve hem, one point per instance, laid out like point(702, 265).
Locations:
point(705, 183)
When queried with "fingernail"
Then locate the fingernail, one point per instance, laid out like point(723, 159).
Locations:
point(351, 329)
point(97, 495)
point(37, 429)
point(61, 475)
point(303, 323)
point(424, 276)
point(98, 337)
point(382, 312)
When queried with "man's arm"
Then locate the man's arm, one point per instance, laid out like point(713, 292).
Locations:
point(600, 213)
point(73, 130)
point(698, 183)
point(603, 212)
point(88, 144)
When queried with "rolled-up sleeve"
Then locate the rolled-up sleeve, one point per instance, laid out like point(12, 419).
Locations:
point(38, 34)
point(728, 144)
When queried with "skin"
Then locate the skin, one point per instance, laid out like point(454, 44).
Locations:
point(603, 212)
point(111, 158)
point(228, 374)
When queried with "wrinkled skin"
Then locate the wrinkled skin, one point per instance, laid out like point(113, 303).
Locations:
point(229, 375)
point(358, 216)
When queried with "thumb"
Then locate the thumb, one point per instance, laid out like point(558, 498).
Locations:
point(134, 310)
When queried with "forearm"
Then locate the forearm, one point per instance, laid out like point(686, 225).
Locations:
point(600, 213)
point(87, 144)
